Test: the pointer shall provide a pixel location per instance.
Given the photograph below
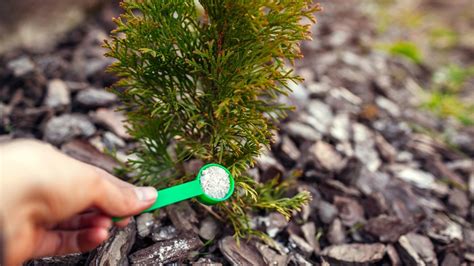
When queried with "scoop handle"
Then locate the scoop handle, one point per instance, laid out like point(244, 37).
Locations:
point(176, 194)
point(173, 195)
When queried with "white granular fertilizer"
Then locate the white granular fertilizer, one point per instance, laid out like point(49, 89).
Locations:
point(215, 182)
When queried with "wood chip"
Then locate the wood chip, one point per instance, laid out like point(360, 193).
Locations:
point(71, 259)
point(309, 233)
point(326, 157)
point(239, 255)
point(166, 251)
point(386, 150)
point(350, 211)
point(82, 150)
point(115, 250)
point(393, 255)
point(270, 256)
point(387, 228)
point(416, 249)
point(183, 217)
point(113, 120)
point(336, 233)
point(354, 253)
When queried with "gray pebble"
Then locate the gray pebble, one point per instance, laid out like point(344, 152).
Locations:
point(92, 97)
point(65, 127)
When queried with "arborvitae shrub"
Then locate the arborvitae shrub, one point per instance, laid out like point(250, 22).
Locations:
point(202, 81)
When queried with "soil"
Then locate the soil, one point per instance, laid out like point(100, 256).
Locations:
point(391, 183)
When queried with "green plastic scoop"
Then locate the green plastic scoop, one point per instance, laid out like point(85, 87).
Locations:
point(213, 184)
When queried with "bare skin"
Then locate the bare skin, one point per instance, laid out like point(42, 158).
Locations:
point(52, 204)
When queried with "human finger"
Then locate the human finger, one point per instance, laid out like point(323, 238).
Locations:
point(122, 201)
point(86, 220)
point(65, 242)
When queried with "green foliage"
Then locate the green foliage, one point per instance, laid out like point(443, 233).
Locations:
point(202, 80)
point(446, 105)
point(406, 49)
point(443, 37)
point(452, 77)
point(445, 98)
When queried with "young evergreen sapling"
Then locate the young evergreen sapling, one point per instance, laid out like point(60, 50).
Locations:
point(202, 80)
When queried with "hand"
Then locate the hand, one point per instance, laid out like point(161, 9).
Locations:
point(52, 204)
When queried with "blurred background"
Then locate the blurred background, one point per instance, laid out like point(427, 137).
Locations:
point(382, 135)
point(436, 34)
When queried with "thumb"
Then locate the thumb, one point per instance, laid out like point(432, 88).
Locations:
point(122, 201)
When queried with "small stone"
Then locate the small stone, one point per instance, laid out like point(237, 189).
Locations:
point(417, 250)
point(302, 131)
point(302, 245)
point(339, 38)
point(270, 256)
point(364, 148)
point(209, 228)
point(463, 141)
point(386, 150)
point(336, 234)
point(318, 88)
point(112, 141)
point(239, 255)
point(93, 98)
point(289, 152)
point(275, 223)
point(461, 165)
point(326, 212)
point(388, 106)
point(468, 236)
point(65, 127)
point(21, 66)
point(326, 156)
point(341, 128)
point(354, 253)
point(451, 260)
point(164, 233)
point(298, 96)
point(350, 211)
point(322, 115)
point(339, 186)
point(459, 201)
point(145, 223)
point(393, 255)
point(402, 202)
point(307, 74)
point(378, 227)
point(75, 86)
point(469, 256)
point(347, 96)
point(165, 251)
point(58, 94)
point(96, 65)
point(422, 180)
point(269, 167)
point(309, 233)
point(444, 229)
point(370, 182)
point(114, 121)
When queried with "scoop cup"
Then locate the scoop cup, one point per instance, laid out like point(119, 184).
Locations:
point(195, 189)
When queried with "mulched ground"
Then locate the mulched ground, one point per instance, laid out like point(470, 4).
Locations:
point(385, 189)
